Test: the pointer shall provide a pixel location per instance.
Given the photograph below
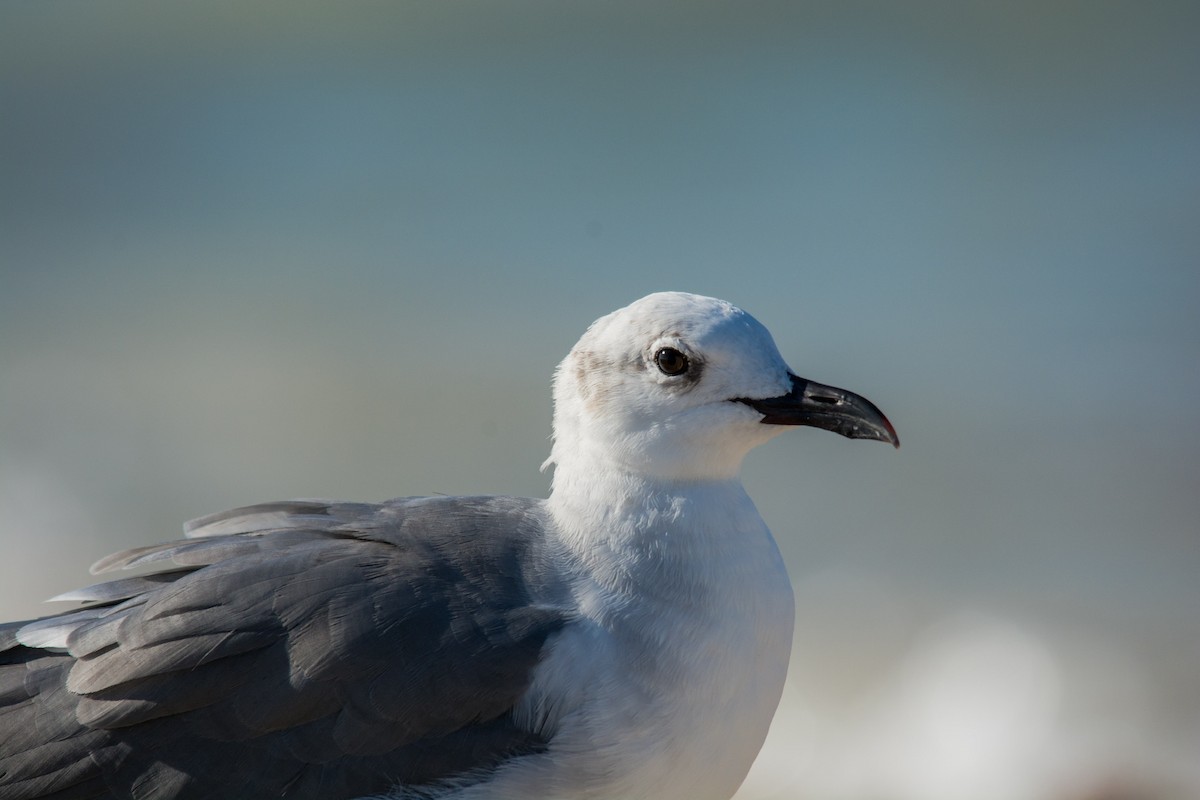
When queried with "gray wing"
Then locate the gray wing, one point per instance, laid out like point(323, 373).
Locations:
point(302, 649)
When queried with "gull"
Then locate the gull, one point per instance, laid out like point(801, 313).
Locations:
point(626, 638)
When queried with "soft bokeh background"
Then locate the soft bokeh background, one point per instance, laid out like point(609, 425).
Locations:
point(254, 250)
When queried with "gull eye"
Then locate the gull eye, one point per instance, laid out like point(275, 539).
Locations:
point(670, 361)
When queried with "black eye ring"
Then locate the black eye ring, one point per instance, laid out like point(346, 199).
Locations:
point(670, 361)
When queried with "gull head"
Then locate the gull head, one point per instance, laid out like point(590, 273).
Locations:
point(678, 386)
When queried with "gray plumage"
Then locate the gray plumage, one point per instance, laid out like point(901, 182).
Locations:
point(171, 686)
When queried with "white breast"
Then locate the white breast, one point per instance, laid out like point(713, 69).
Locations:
point(667, 687)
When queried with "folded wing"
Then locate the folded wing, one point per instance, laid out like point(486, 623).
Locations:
point(300, 649)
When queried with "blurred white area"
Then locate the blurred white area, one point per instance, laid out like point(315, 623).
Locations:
point(983, 708)
point(970, 710)
point(266, 250)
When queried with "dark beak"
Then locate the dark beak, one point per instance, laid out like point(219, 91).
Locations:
point(837, 410)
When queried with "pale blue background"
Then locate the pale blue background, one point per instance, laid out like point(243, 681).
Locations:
point(259, 250)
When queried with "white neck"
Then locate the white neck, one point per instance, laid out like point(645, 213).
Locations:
point(605, 503)
point(667, 541)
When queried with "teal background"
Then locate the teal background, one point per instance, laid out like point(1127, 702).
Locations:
point(262, 250)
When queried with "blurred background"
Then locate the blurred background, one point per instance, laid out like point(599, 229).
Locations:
point(252, 251)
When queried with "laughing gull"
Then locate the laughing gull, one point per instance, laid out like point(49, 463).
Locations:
point(626, 638)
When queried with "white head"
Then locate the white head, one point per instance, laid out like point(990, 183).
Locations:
point(664, 388)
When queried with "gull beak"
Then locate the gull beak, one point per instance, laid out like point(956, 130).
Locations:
point(820, 406)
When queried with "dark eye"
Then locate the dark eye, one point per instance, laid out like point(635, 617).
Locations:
point(670, 361)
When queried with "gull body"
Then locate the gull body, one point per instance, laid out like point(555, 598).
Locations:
point(626, 638)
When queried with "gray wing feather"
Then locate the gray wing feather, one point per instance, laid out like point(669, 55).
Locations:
point(197, 553)
point(113, 591)
point(291, 514)
point(306, 647)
